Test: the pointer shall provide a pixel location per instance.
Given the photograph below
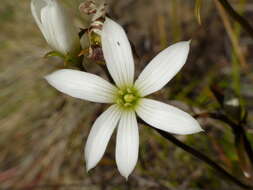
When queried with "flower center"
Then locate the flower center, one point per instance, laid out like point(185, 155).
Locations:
point(127, 98)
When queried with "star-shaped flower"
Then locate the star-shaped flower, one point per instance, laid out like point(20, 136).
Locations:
point(127, 97)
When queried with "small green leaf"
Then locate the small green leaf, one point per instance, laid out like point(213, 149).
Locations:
point(53, 54)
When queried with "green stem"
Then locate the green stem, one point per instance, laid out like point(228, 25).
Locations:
point(203, 158)
point(199, 155)
point(238, 131)
point(237, 17)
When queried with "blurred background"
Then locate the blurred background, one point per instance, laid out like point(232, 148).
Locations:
point(43, 132)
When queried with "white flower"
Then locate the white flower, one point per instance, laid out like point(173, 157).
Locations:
point(127, 97)
point(55, 25)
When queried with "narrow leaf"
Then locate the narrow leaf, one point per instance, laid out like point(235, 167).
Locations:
point(198, 5)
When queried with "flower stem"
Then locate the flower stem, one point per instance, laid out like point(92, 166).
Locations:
point(199, 155)
point(203, 158)
point(78, 62)
point(238, 131)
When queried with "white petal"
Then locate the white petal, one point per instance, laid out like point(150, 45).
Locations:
point(50, 33)
point(127, 145)
point(166, 117)
point(36, 7)
point(117, 53)
point(162, 68)
point(99, 136)
point(55, 24)
point(82, 85)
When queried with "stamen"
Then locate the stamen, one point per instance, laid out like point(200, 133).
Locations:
point(127, 98)
point(129, 90)
point(127, 104)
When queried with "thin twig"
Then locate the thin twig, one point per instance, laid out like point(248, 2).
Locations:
point(238, 130)
point(242, 21)
point(203, 158)
point(80, 64)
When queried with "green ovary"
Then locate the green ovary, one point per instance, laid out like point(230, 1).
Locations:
point(127, 98)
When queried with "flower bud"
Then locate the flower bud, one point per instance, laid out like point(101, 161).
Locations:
point(56, 26)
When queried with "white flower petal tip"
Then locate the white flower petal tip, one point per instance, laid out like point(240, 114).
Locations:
point(195, 128)
point(200, 130)
point(126, 177)
point(127, 144)
point(163, 68)
point(82, 85)
point(89, 164)
point(88, 167)
point(167, 118)
point(117, 53)
point(125, 174)
point(100, 135)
